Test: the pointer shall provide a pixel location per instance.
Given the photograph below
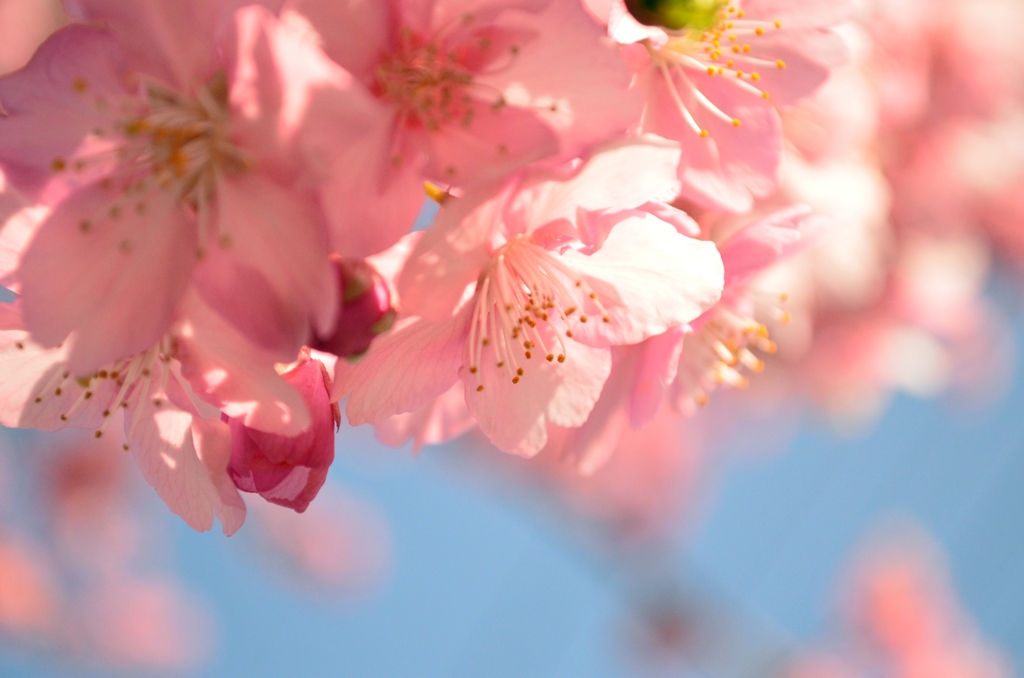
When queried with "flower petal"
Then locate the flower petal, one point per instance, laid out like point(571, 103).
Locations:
point(404, 370)
point(648, 278)
point(109, 267)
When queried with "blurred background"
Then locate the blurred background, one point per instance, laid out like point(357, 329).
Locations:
point(856, 511)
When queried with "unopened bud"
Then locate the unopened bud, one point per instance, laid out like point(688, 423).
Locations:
point(697, 15)
point(365, 311)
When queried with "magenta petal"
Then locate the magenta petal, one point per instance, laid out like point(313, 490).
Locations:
point(109, 268)
point(288, 470)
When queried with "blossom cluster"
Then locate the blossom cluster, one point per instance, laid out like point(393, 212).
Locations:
point(208, 222)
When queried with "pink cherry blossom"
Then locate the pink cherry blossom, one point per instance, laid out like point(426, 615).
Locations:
point(471, 91)
point(289, 470)
point(522, 294)
point(181, 452)
point(715, 91)
point(724, 340)
point(168, 157)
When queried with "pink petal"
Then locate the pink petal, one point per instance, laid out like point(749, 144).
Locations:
point(495, 142)
point(293, 260)
point(808, 56)
point(515, 416)
point(160, 439)
point(443, 419)
point(354, 33)
point(173, 41)
point(47, 117)
point(32, 372)
point(619, 176)
point(799, 13)
point(212, 440)
point(404, 370)
point(109, 268)
point(369, 202)
point(234, 375)
point(287, 96)
point(570, 74)
point(648, 278)
point(762, 243)
point(656, 367)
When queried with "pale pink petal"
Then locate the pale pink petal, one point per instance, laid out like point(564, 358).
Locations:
point(656, 367)
point(647, 278)
point(444, 418)
point(160, 438)
point(34, 392)
point(620, 176)
point(808, 57)
point(354, 33)
point(173, 41)
point(50, 106)
point(450, 255)
point(18, 223)
point(404, 370)
point(287, 96)
point(234, 375)
point(761, 244)
point(493, 143)
point(370, 203)
point(799, 13)
point(293, 260)
point(111, 269)
point(213, 446)
point(515, 416)
point(571, 74)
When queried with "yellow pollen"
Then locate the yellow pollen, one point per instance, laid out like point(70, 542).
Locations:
point(778, 24)
point(759, 31)
point(755, 76)
point(704, 133)
point(781, 64)
point(736, 122)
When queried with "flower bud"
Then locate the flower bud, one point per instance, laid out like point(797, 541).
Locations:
point(365, 311)
point(284, 470)
point(698, 15)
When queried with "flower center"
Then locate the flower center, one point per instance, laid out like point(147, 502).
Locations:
point(717, 353)
point(427, 83)
point(159, 140)
point(132, 378)
point(525, 302)
point(728, 49)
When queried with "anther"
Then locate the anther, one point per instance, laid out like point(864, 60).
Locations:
point(519, 371)
point(515, 380)
point(550, 357)
point(479, 388)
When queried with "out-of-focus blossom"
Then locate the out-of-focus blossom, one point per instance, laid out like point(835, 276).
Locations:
point(339, 546)
point(289, 470)
point(25, 24)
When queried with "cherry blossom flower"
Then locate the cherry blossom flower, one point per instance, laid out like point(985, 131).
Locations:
point(715, 89)
point(166, 157)
point(289, 470)
point(472, 91)
point(181, 452)
point(522, 294)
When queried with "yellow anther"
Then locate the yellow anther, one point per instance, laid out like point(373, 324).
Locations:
point(711, 70)
point(778, 24)
point(704, 133)
point(755, 76)
point(765, 95)
point(736, 122)
point(759, 31)
point(746, 48)
point(479, 388)
point(781, 64)
point(435, 193)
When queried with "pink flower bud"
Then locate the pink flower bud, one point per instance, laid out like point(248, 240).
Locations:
point(289, 471)
point(365, 310)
